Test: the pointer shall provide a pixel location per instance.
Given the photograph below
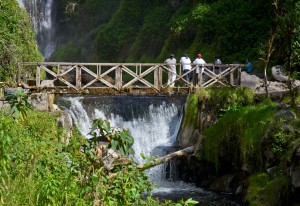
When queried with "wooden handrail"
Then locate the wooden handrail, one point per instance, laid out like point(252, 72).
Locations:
point(124, 76)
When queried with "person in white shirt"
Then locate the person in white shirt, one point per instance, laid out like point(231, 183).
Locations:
point(172, 66)
point(186, 66)
point(199, 62)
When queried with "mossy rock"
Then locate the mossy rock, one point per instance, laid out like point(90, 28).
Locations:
point(189, 123)
point(263, 191)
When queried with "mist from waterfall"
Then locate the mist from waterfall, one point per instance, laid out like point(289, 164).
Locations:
point(42, 20)
point(153, 126)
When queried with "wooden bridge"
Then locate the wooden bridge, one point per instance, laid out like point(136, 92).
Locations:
point(122, 78)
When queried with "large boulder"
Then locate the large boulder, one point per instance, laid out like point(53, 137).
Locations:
point(251, 81)
point(278, 73)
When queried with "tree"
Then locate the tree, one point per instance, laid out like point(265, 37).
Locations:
point(287, 22)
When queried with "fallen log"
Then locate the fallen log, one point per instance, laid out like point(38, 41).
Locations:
point(166, 158)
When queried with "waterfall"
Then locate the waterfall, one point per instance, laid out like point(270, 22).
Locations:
point(41, 14)
point(154, 123)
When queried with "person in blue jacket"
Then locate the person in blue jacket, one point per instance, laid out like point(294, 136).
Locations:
point(248, 66)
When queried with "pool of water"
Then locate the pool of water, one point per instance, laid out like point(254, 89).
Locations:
point(181, 190)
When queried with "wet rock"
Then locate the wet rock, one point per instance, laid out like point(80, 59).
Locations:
point(272, 170)
point(296, 83)
point(227, 183)
point(278, 73)
point(285, 114)
point(296, 176)
point(250, 81)
point(275, 89)
point(240, 190)
point(295, 169)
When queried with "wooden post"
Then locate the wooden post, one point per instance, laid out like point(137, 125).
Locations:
point(118, 80)
point(38, 76)
point(200, 77)
point(158, 77)
point(239, 75)
point(231, 78)
point(78, 77)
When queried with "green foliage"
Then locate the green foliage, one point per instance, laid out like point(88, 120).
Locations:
point(37, 168)
point(120, 31)
point(69, 52)
point(191, 111)
point(148, 31)
point(281, 142)
point(17, 43)
point(264, 191)
point(19, 104)
point(227, 99)
point(279, 139)
point(120, 140)
point(241, 135)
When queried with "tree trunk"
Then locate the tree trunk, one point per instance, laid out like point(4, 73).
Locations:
point(166, 158)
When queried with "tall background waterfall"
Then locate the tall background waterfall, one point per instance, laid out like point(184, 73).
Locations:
point(153, 122)
point(42, 16)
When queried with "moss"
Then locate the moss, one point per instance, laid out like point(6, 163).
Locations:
point(226, 98)
point(239, 133)
point(287, 99)
point(266, 192)
point(191, 111)
point(17, 43)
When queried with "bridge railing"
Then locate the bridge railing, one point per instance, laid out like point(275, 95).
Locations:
point(120, 76)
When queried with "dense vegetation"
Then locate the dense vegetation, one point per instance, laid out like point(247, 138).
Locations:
point(249, 136)
point(17, 43)
point(38, 167)
point(148, 31)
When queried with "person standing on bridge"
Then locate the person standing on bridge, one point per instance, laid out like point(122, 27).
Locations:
point(186, 66)
point(198, 62)
point(248, 66)
point(171, 61)
point(217, 63)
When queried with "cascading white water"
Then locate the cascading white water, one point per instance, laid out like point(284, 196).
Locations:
point(153, 131)
point(41, 16)
point(154, 124)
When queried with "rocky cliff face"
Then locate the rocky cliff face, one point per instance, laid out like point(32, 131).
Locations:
point(42, 15)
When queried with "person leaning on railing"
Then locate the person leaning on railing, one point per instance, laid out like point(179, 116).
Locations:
point(186, 66)
point(172, 66)
point(198, 62)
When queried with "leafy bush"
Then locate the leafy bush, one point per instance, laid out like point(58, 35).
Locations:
point(19, 104)
point(36, 168)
